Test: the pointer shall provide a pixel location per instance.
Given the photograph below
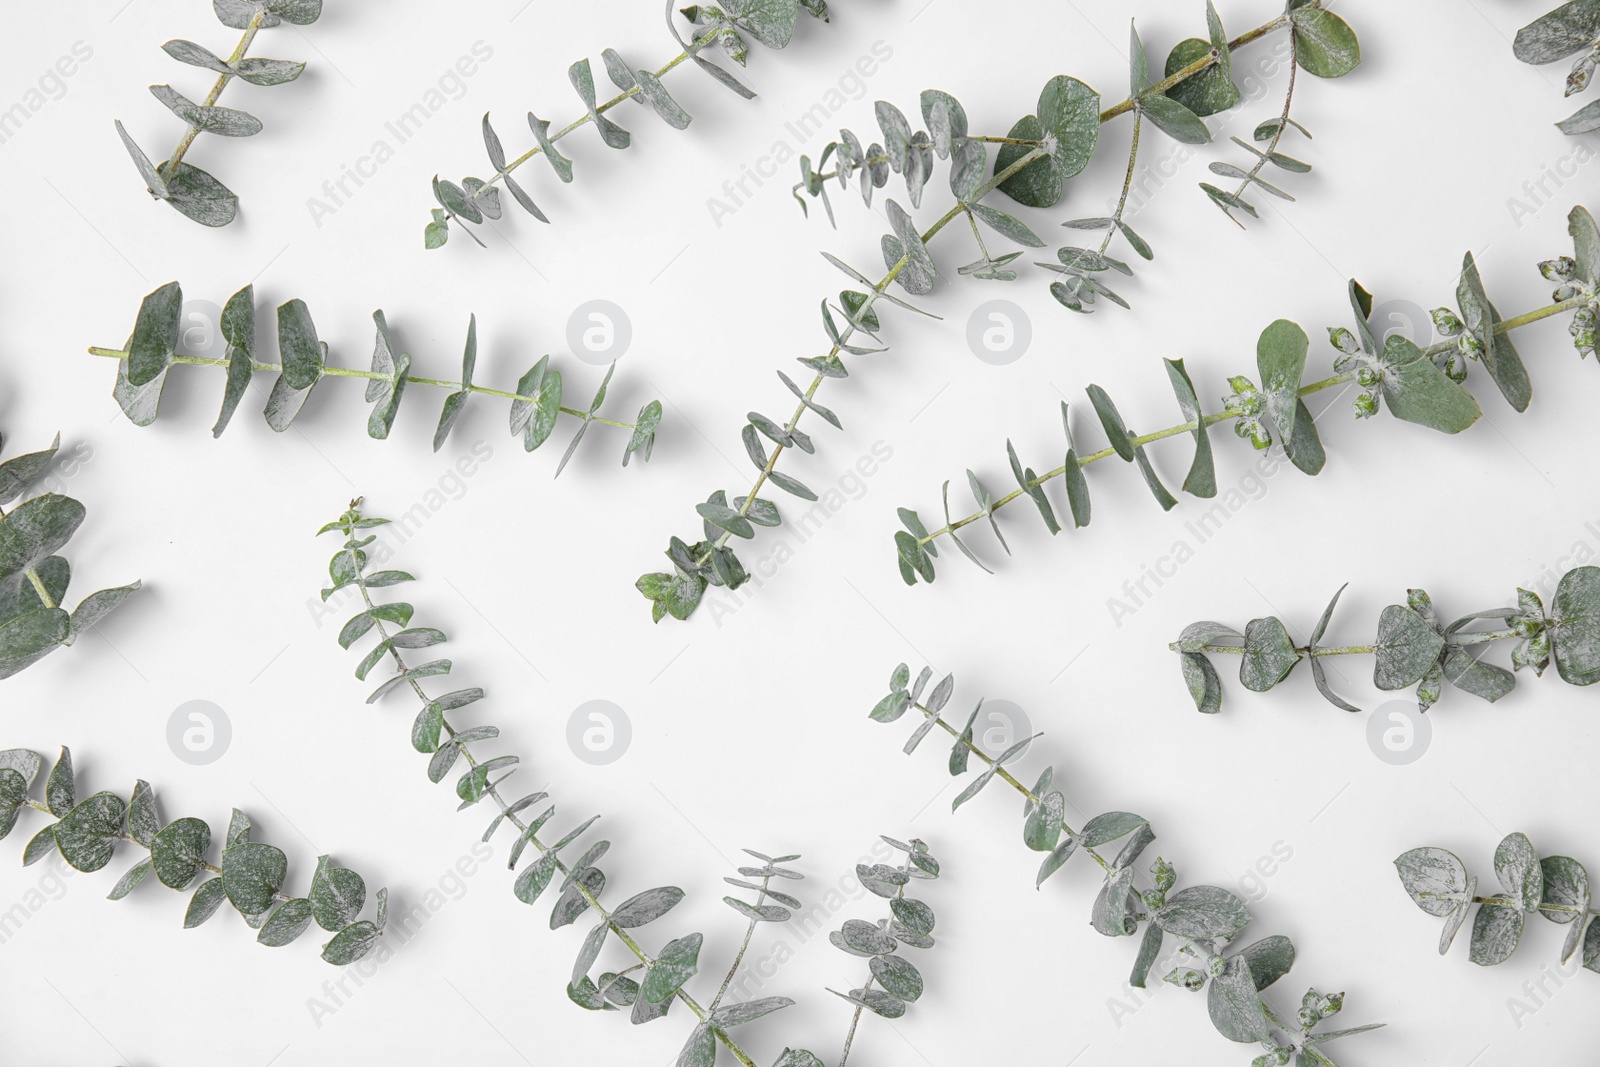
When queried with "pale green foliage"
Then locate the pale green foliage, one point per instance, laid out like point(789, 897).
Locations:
point(186, 187)
point(248, 875)
point(1571, 29)
point(1202, 922)
point(1414, 647)
point(725, 28)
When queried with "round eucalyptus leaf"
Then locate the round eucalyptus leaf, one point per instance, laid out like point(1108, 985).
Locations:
point(1206, 93)
point(251, 875)
point(1068, 121)
point(1434, 877)
point(350, 944)
point(898, 976)
point(1325, 45)
point(1496, 930)
point(88, 833)
point(179, 851)
point(1405, 649)
point(288, 921)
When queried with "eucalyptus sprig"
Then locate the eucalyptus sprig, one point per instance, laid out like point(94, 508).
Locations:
point(1062, 136)
point(33, 579)
point(1414, 647)
point(186, 187)
point(909, 923)
point(152, 351)
point(1068, 123)
point(1571, 29)
point(1556, 887)
point(249, 875)
point(1419, 385)
point(578, 882)
point(771, 22)
point(1202, 921)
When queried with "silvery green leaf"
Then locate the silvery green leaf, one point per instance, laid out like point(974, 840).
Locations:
point(1281, 359)
point(1228, 170)
point(286, 923)
point(1076, 484)
point(1565, 884)
point(589, 952)
point(1499, 354)
point(1042, 828)
point(486, 196)
point(60, 789)
point(1070, 111)
point(791, 485)
point(199, 196)
point(651, 89)
point(766, 913)
point(945, 118)
point(1406, 647)
point(1201, 480)
point(87, 834)
point(913, 914)
point(147, 170)
point(1203, 912)
point(269, 71)
point(572, 903)
point(1457, 915)
point(19, 596)
point(252, 873)
point(238, 829)
point(1416, 390)
point(646, 907)
point(1568, 29)
point(303, 355)
point(541, 133)
point(284, 403)
point(196, 56)
point(1235, 1007)
point(1574, 627)
point(974, 788)
point(350, 944)
point(919, 273)
point(1496, 930)
point(1138, 63)
point(204, 904)
point(1269, 654)
point(1484, 680)
point(1149, 951)
point(140, 403)
point(1318, 673)
point(532, 882)
point(1198, 635)
point(1268, 959)
point(24, 762)
point(143, 819)
point(1518, 868)
point(700, 1050)
point(224, 121)
point(130, 880)
point(1006, 225)
point(1434, 877)
point(155, 334)
point(677, 962)
point(730, 1015)
point(1173, 119)
point(40, 845)
point(1325, 45)
point(1111, 422)
point(26, 640)
point(884, 1005)
point(898, 977)
point(1585, 238)
point(1114, 914)
point(238, 329)
point(337, 896)
point(19, 472)
point(771, 22)
point(1212, 89)
point(178, 851)
point(1108, 827)
point(582, 79)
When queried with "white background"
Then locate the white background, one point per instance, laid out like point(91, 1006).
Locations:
point(751, 730)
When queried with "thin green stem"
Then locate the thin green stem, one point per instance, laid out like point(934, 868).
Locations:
point(744, 946)
point(1277, 134)
point(170, 167)
point(1214, 418)
point(492, 790)
point(351, 372)
point(37, 582)
point(1127, 185)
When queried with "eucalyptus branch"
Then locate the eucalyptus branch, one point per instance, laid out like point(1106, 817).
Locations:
point(33, 579)
point(1419, 385)
point(910, 922)
point(152, 350)
point(1414, 647)
point(1041, 153)
point(581, 881)
point(250, 876)
point(1198, 83)
point(186, 187)
point(1571, 29)
point(771, 22)
point(1556, 887)
point(1203, 921)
